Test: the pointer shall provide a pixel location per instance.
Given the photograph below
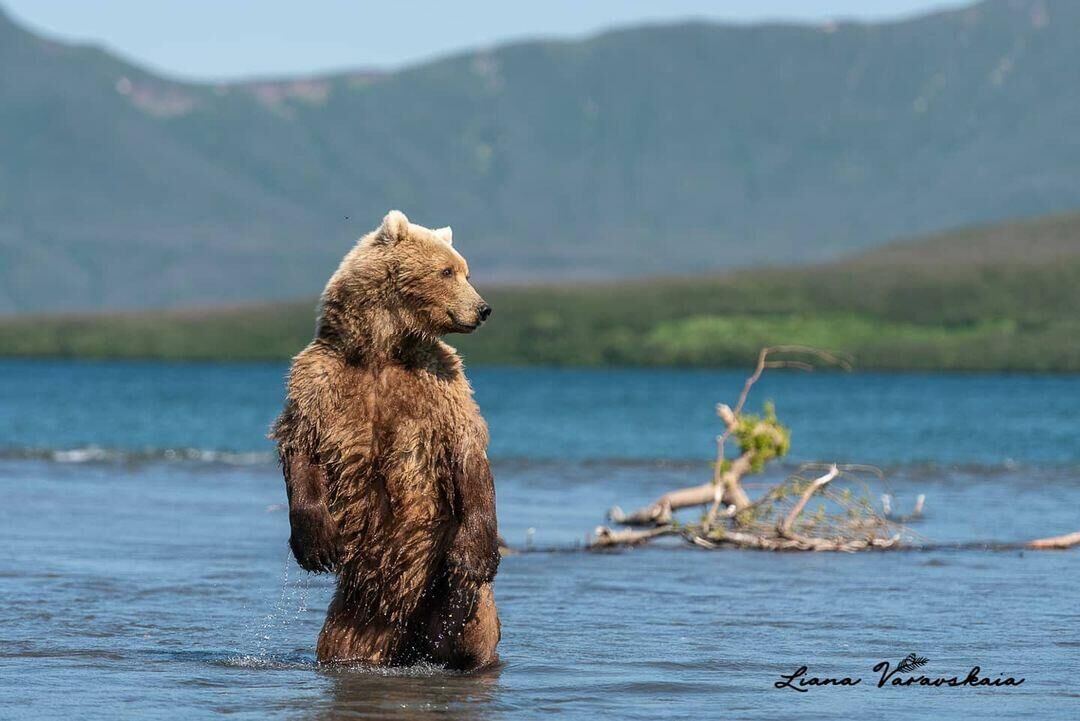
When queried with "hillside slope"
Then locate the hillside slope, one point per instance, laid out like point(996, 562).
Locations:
point(903, 306)
point(643, 151)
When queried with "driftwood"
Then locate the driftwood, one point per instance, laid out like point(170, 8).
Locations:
point(607, 538)
point(1056, 543)
point(659, 512)
point(842, 521)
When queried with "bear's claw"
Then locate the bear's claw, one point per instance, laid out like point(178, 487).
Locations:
point(314, 540)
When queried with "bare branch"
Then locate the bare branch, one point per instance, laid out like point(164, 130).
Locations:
point(730, 416)
point(659, 511)
point(1057, 542)
point(763, 363)
point(785, 526)
point(607, 538)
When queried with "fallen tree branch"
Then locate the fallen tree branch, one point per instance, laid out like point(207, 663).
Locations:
point(844, 521)
point(607, 538)
point(659, 511)
point(763, 362)
point(733, 493)
point(727, 489)
point(784, 528)
point(1055, 543)
point(738, 539)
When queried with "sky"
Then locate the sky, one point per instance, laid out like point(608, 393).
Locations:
point(230, 39)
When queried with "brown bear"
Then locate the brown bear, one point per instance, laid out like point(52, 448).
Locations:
point(384, 453)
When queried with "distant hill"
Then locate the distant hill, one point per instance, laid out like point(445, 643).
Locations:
point(908, 305)
point(1037, 241)
point(643, 151)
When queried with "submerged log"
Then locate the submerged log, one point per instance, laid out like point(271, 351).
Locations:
point(607, 538)
point(1056, 542)
point(659, 512)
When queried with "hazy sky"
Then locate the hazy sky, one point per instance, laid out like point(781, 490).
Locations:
point(213, 39)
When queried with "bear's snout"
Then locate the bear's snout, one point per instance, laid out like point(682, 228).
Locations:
point(483, 311)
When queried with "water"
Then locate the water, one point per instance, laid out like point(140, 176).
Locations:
point(145, 574)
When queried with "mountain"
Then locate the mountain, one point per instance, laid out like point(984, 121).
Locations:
point(1000, 297)
point(643, 151)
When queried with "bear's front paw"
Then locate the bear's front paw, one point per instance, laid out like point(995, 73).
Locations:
point(315, 539)
point(477, 564)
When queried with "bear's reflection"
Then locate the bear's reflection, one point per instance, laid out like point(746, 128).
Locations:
point(412, 693)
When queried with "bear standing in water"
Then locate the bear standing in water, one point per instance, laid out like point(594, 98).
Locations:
point(384, 453)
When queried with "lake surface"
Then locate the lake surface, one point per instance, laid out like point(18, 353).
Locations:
point(145, 571)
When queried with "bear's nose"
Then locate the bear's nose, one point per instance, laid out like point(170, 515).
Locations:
point(484, 311)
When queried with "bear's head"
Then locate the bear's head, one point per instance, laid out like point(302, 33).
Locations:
point(400, 280)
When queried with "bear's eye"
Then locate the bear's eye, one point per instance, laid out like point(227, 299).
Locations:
point(447, 272)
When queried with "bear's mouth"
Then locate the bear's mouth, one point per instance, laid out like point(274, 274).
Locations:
point(458, 325)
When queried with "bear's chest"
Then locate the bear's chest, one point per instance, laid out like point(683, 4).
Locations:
point(410, 416)
point(409, 435)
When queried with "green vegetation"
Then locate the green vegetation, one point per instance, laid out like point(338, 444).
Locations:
point(763, 437)
point(989, 318)
point(889, 310)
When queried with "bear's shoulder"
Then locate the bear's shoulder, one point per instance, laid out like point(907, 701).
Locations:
point(315, 364)
point(315, 374)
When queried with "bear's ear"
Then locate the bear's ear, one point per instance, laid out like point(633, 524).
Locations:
point(395, 227)
point(446, 235)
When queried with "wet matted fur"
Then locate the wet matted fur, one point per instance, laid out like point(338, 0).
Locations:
point(384, 453)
